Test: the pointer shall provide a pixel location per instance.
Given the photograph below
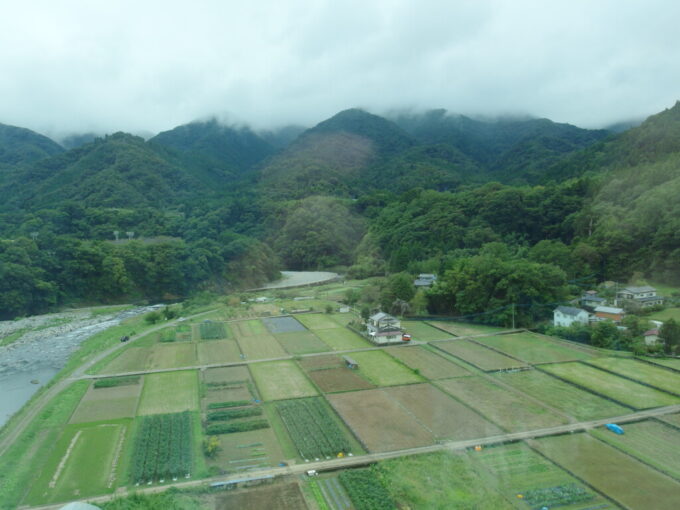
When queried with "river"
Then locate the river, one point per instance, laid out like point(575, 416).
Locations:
point(27, 365)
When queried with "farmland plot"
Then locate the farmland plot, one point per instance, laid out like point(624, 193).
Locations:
point(673, 419)
point(643, 372)
point(312, 428)
point(464, 328)
point(566, 397)
point(279, 497)
point(509, 410)
point(322, 362)
point(101, 404)
point(218, 351)
point(518, 469)
point(263, 346)
point(278, 380)
point(424, 332)
point(339, 379)
point(84, 462)
point(618, 388)
point(210, 330)
point(666, 362)
point(477, 355)
point(243, 451)
point(650, 441)
point(533, 348)
point(341, 339)
point(612, 472)
point(316, 321)
point(226, 374)
point(283, 325)
point(383, 370)
point(169, 392)
point(163, 448)
point(302, 342)
point(428, 363)
point(379, 421)
point(445, 417)
point(172, 356)
point(132, 359)
point(248, 328)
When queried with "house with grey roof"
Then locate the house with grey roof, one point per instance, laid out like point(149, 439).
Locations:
point(642, 297)
point(567, 316)
point(425, 280)
point(382, 328)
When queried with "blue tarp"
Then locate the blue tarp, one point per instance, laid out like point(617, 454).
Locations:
point(614, 428)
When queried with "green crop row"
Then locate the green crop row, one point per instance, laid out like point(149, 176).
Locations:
point(212, 330)
point(163, 447)
point(231, 403)
point(366, 490)
point(228, 428)
point(560, 495)
point(110, 382)
point(234, 413)
point(312, 428)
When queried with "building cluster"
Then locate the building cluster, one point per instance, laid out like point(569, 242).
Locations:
point(595, 309)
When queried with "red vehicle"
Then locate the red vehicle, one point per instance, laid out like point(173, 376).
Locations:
point(405, 337)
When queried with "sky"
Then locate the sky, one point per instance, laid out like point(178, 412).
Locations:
point(144, 66)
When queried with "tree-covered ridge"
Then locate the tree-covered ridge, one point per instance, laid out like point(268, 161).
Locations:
point(20, 146)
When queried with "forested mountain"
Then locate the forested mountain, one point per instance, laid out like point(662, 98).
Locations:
point(219, 151)
point(207, 207)
point(20, 145)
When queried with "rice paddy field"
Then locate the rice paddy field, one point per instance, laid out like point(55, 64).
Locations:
point(465, 329)
point(620, 389)
point(301, 342)
point(533, 348)
point(578, 403)
point(218, 351)
point(424, 332)
point(261, 346)
point(651, 441)
point(428, 363)
point(72, 471)
point(278, 380)
point(341, 339)
point(666, 362)
point(316, 321)
point(478, 355)
point(169, 392)
point(524, 476)
point(383, 370)
point(642, 372)
point(617, 474)
point(507, 409)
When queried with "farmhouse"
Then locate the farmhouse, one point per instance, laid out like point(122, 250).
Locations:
point(425, 280)
point(611, 313)
point(591, 300)
point(651, 336)
point(382, 328)
point(566, 316)
point(641, 296)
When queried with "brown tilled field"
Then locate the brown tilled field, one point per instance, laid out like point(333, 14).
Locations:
point(379, 421)
point(444, 416)
point(339, 379)
point(280, 496)
point(321, 362)
point(107, 403)
point(431, 365)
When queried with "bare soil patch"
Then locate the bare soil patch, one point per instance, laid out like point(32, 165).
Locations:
point(339, 379)
point(321, 362)
point(281, 497)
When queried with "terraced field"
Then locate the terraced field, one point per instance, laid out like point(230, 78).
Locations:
point(641, 371)
point(612, 472)
point(561, 395)
point(666, 362)
point(506, 409)
point(533, 348)
point(650, 441)
point(617, 388)
point(477, 355)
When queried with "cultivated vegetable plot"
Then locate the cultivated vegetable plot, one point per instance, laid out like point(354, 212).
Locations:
point(312, 428)
point(366, 490)
point(212, 330)
point(163, 448)
point(110, 382)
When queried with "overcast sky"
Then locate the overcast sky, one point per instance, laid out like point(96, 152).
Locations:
point(147, 66)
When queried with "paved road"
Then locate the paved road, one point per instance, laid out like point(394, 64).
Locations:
point(17, 427)
point(362, 460)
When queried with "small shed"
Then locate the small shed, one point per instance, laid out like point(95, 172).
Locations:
point(350, 362)
point(651, 336)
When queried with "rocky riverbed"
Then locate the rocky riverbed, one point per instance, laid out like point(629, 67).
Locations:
point(37, 355)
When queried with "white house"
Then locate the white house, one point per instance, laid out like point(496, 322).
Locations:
point(651, 337)
point(566, 316)
point(425, 280)
point(643, 296)
point(382, 328)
